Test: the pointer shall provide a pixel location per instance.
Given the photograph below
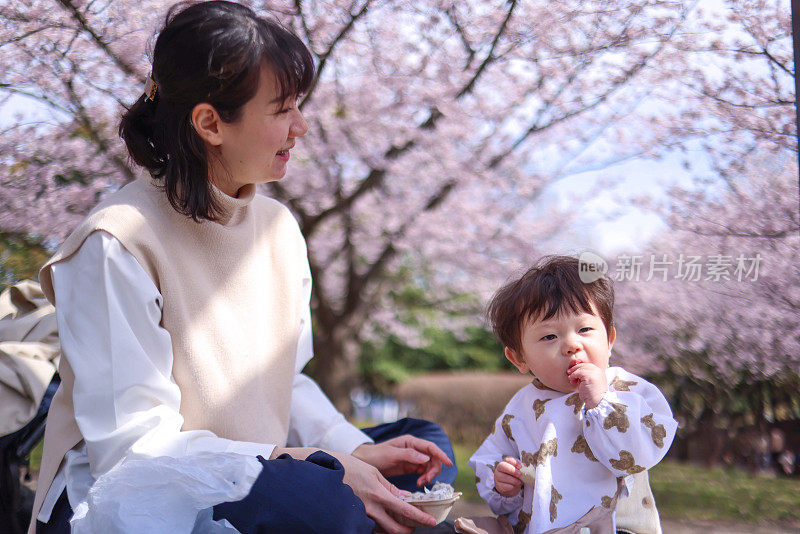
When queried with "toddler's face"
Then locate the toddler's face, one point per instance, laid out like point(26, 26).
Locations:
point(551, 347)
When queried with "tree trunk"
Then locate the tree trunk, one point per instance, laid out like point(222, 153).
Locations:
point(335, 366)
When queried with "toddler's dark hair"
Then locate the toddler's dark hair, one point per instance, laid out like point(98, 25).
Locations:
point(550, 287)
point(207, 52)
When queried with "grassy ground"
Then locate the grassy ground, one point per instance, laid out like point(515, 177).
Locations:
point(36, 456)
point(690, 493)
point(465, 481)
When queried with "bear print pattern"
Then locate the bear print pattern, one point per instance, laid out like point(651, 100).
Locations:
point(626, 463)
point(549, 448)
point(575, 401)
point(555, 496)
point(538, 407)
point(618, 384)
point(538, 384)
point(657, 432)
point(507, 426)
point(617, 418)
point(581, 447)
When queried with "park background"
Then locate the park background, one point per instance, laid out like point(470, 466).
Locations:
point(451, 144)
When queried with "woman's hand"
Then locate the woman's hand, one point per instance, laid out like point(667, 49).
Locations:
point(380, 497)
point(403, 455)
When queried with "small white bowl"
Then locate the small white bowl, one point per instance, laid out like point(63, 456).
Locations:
point(438, 509)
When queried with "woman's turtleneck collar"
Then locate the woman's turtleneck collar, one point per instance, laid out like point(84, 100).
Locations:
point(232, 209)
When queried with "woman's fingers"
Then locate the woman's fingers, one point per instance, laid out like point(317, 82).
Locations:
point(421, 445)
point(416, 462)
point(430, 473)
point(399, 507)
point(405, 454)
point(424, 453)
point(380, 497)
point(386, 503)
point(431, 449)
point(409, 455)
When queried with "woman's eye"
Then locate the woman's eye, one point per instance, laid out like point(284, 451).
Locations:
point(549, 337)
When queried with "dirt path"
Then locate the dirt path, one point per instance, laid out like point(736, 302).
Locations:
point(466, 508)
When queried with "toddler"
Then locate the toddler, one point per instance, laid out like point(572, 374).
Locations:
point(565, 445)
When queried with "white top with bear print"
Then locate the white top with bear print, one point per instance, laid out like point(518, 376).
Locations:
point(573, 456)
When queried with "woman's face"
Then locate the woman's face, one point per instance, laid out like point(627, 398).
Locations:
point(255, 148)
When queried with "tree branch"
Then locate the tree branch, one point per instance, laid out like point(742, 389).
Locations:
point(767, 104)
point(490, 56)
point(324, 57)
point(376, 176)
point(389, 250)
point(84, 24)
point(774, 60)
point(756, 235)
point(27, 34)
point(84, 119)
point(536, 128)
point(298, 5)
point(451, 16)
point(41, 98)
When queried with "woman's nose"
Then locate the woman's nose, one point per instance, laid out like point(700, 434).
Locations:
point(299, 125)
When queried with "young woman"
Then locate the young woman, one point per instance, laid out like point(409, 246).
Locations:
point(183, 304)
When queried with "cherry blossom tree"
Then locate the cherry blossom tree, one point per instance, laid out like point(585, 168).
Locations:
point(716, 321)
point(435, 126)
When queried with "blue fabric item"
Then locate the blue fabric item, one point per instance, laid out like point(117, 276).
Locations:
point(59, 518)
point(295, 496)
point(303, 496)
point(424, 430)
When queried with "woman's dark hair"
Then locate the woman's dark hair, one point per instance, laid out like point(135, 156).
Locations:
point(550, 287)
point(207, 52)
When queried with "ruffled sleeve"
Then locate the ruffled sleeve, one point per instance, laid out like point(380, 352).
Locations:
point(632, 427)
point(498, 445)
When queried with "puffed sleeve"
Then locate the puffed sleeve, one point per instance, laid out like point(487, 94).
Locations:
point(499, 444)
point(632, 427)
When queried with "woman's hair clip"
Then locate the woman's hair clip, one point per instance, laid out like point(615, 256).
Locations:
point(150, 88)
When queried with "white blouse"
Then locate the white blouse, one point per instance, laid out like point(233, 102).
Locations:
point(108, 301)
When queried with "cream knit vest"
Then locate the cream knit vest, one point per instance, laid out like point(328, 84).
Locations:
point(232, 301)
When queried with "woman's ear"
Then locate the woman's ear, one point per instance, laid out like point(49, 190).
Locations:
point(206, 122)
point(516, 358)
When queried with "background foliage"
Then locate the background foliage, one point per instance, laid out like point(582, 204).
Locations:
point(436, 130)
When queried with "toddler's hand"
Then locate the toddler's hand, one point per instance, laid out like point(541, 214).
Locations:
point(591, 381)
point(507, 475)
